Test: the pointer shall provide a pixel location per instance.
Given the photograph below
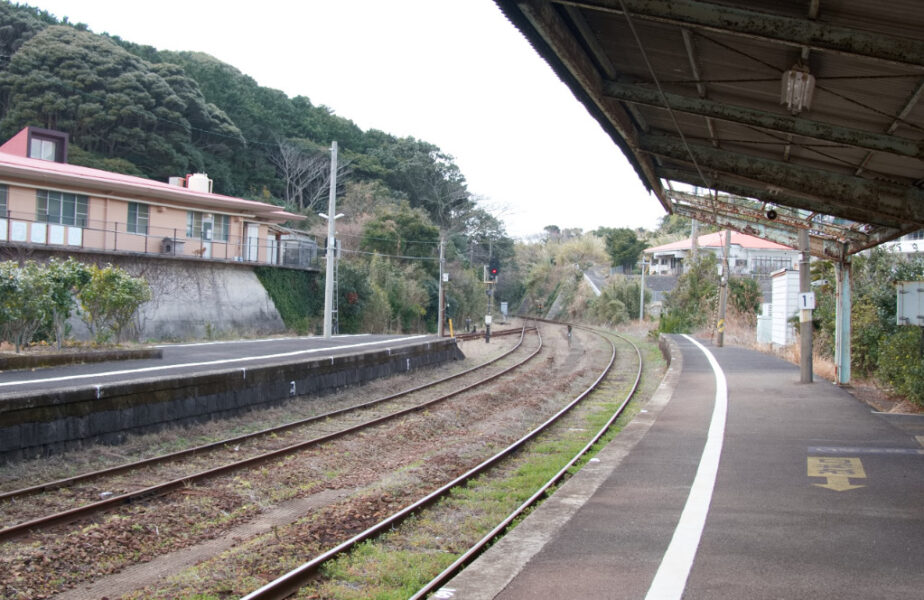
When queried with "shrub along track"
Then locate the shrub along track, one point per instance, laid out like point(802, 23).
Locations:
point(41, 563)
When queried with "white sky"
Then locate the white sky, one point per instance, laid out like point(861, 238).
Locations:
point(455, 74)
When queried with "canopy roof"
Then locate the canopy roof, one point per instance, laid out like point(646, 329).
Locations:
point(691, 92)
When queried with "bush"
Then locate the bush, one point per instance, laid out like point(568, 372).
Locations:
point(24, 306)
point(866, 334)
point(691, 303)
point(109, 301)
point(901, 364)
point(744, 295)
point(618, 302)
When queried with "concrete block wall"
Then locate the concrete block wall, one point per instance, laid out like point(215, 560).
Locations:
point(44, 423)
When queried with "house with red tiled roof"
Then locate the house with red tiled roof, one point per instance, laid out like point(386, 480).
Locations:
point(748, 255)
point(46, 202)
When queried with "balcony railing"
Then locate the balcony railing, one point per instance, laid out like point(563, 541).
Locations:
point(111, 236)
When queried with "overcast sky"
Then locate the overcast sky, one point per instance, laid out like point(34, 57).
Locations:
point(455, 74)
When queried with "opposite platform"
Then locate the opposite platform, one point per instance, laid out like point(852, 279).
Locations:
point(800, 492)
point(59, 408)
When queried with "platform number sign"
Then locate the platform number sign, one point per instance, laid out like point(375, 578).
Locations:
point(807, 301)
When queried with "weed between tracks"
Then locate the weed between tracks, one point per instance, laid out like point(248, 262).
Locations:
point(400, 563)
point(397, 564)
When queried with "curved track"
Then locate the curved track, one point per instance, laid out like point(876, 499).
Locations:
point(290, 582)
point(165, 487)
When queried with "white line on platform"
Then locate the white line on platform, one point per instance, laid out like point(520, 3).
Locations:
point(256, 341)
point(223, 361)
point(671, 578)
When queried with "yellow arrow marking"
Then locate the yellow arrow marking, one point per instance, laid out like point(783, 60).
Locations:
point(721, 325)
point(837, 471)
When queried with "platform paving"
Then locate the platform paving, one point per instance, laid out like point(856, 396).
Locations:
point(815, 496)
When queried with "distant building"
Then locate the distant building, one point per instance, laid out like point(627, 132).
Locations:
point(46, 202)
point(748, 255)
point(911, 243)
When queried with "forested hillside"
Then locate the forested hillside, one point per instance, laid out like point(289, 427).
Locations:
point(138, 110)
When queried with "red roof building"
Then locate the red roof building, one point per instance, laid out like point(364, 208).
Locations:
point(747, 255)
point(44, 201)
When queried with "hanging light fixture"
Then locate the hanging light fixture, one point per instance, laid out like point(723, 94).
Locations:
point(797, 89)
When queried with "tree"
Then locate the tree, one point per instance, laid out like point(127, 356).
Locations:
point(693, 299)
point(64, 280)
point(23, 301)
point(622, 245)
point(430, 178)
point(306, 174)
point(552, 233)
point(110, 299)
point(400, 231)
point(111, 102)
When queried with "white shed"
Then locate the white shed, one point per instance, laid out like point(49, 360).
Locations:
point(785, 294)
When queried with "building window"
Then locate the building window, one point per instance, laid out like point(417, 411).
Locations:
point(763, 264)
point(61, 208)
point(3, 205)
point(193, 224)
point(137, 218)
point(43, 149)
point(917, 235)
point(222, 228)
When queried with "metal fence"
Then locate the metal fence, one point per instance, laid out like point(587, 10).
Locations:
point(297, 251)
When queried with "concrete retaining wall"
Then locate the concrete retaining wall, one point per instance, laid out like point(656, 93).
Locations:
point(191, 298)
point(44, 423)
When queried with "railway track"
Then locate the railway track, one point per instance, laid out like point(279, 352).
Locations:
point(383, 409)
point(289, 583)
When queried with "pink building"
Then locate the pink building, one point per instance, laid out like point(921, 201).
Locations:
point(748, 255)
point(46, 202)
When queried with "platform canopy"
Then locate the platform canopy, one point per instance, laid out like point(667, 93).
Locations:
point(808, 111)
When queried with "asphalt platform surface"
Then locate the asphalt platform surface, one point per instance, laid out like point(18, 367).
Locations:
point(811, 495)
point(184, 360)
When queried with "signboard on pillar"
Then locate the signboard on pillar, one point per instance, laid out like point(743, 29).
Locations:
point(910, 307)
point(807, 301)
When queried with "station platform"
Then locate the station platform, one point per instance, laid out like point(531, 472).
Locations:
point(773, 490)
point(54, 409)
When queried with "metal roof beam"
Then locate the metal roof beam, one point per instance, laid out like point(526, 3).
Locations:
point(599, 55)
point(726, 182)
point(643, 94)
point(766, 26)
point(781, 234)
point(912, 101)
point(895, 201)
point(729, 207)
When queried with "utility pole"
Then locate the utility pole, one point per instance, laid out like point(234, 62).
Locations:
point(641, 293)
point(805, 315)
point(723, 292)
point(440, 316)
point(331, 217)
point(694, 239)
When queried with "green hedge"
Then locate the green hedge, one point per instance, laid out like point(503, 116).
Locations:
point(901, 364)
